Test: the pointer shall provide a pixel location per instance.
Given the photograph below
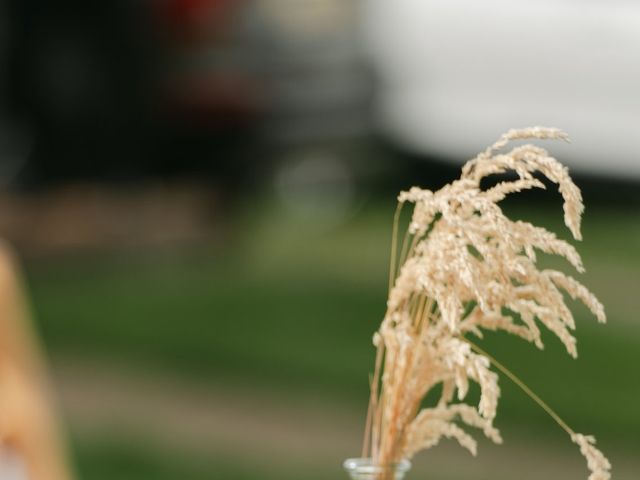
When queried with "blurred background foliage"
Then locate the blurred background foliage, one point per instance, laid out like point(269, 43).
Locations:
point(201, 194)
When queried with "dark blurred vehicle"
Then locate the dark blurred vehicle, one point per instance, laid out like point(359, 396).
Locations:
point(102, 90)
point(122, 90)
point(455, 74)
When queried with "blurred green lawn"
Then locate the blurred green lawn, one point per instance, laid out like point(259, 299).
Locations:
point(291, 304)
point(107, 459)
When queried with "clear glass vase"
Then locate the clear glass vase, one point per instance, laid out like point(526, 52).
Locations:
point(363, 469)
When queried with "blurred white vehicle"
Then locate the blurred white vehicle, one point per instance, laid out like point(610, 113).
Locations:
point(454, 74)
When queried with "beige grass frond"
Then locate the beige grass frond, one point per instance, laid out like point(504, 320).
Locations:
point(463, 267)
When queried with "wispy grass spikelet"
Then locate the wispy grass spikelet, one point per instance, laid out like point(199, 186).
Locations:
point(463, 267)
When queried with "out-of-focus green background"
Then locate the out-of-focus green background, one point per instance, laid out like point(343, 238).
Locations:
point(252, 362)
point(207, 262)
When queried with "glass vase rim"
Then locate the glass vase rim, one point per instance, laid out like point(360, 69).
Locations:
point(365, 465)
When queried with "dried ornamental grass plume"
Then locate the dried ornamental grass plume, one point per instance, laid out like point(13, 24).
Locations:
point(464, 267)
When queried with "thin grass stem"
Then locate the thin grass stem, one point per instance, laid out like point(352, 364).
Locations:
point(394, 246)
point(523, 386)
